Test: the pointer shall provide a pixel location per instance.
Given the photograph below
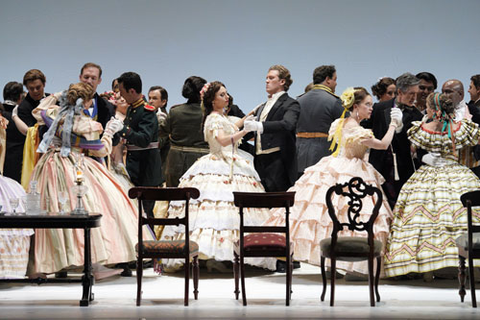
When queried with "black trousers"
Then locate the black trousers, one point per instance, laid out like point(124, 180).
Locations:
point(273, 172)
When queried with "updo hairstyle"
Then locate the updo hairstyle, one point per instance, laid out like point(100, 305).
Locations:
point(79, 90)
point(380, 88)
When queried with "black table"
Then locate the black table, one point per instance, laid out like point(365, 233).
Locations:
point(56, 221)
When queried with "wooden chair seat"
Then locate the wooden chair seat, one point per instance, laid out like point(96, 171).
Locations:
point(350, 248)
point(175, 247)
point(462, 242)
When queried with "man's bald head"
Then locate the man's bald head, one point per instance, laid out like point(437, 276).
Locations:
point(453, 88)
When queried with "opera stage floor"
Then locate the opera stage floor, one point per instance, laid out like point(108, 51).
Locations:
point(163, 298)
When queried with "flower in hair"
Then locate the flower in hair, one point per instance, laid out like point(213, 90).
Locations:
point(348, 97)
point(204, 89)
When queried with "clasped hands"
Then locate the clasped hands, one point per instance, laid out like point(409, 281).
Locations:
point(250, 124)
point(113, 126)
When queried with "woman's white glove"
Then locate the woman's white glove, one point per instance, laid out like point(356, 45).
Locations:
point(396, 116)
point(435, 160)
point(113, 126)
point(252, 125)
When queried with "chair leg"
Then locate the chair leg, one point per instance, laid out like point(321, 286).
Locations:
point(139, 280)
point(377, 277)
point(187, 280)
point(291, 275)
point(461, 278)
point(332, 281)
point(371, 281)
point(242, 276)
point(287, 280)
point(235, 273)
point(471, 268)
point(324, 278)
point(196, 276)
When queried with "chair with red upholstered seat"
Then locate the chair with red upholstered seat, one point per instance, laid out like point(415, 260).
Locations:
point(263, 241)
point(166, 249)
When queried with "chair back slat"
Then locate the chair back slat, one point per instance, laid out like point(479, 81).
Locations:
point(163, 194)
point(264, 199)
point(264, 229)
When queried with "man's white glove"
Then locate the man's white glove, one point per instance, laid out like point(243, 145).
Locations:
point(435, 160)
point(113, 126)
point(396, 116)
point(252, 125)
point(161, 116)
point(15, 112)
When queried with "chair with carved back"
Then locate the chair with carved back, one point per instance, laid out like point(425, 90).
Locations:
point(352, 248)
point(469, 245)
point(175, 249)
point(263, 241)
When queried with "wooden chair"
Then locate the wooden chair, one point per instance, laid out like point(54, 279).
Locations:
point(263, 241)
point(469, 246)
point(352, 248)
point(183, 249)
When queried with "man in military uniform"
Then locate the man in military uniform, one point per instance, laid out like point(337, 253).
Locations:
point(140, 130)
point(319, 107)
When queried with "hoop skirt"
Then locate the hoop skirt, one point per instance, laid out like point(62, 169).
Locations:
point(214, 219)
point(429, 215)
point(309, 219)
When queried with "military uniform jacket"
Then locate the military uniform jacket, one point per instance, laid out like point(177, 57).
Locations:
point(318, 109)
point(141, 133)
point(183, 126)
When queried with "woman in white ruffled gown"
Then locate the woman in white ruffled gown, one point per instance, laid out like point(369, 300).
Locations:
point(214, 219)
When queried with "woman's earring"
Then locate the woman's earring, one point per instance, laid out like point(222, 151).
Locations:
point(357, 116)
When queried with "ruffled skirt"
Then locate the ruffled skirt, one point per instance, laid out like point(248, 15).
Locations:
point(14, 243)
point(214, 219)
point(309, 219)
point(429, 216)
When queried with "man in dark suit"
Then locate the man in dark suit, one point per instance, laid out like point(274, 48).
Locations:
point(384, 160)
point(274, 127)
point(101, 110)
point(319, 107)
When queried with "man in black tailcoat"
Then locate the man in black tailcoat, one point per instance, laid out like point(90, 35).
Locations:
point(274, 127)
point(384, 160)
